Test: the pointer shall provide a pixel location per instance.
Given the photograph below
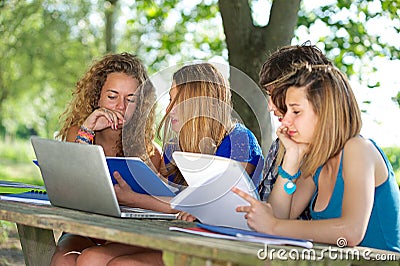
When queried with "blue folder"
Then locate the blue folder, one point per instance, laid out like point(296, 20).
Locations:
point(34, 196)
point(138, 175)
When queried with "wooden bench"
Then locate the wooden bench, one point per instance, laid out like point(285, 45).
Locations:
point(36, 224)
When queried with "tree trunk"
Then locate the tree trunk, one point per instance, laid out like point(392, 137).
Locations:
point(248, 48)
point(110, 23)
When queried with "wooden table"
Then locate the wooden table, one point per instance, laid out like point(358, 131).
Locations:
point(36, 224)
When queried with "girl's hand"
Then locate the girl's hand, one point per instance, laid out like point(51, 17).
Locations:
point(295, 151)
point(123, 191)
point(284, 138)
point(259, 215)
point(186, 217)
point(104, 118)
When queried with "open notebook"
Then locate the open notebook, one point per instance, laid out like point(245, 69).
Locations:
point(76, 176)
point(209, 197)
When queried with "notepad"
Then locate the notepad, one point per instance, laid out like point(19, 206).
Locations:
point(209, 197)
point(33, 196)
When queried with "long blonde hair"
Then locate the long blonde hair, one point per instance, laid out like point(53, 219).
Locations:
point(86, 96)
point(204, 107)
point(333, 101)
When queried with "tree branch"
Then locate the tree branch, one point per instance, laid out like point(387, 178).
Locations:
point(283, 19)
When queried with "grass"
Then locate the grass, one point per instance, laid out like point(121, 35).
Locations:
point(26, 172)
point(16, 164)
point(4, 226)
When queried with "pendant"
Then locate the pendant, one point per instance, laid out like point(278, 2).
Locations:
point(289, 187)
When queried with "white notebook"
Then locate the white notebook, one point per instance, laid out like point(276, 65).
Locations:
point(208, 196)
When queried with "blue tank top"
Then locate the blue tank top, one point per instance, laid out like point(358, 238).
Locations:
point(240, 145)
point(383, 231)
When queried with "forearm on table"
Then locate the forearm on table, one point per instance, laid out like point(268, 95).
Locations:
point(328, 231)
point(160, 204)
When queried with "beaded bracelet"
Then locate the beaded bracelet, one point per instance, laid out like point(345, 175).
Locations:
point(289, 186)
point(85, 135)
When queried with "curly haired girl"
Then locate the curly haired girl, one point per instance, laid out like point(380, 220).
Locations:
point(113, 105)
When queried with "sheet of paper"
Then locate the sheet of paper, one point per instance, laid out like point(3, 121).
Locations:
point(199, 169)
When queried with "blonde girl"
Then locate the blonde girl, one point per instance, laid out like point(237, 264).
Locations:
point(198, 119)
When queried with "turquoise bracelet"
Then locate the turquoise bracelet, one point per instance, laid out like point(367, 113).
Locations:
point(289, 186)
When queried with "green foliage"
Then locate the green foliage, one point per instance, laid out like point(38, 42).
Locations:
point(393, 154)
point(397, 98)
point(397, 174)
point(171, 31)
point(44, 44)
point(17, 151)
point(16, 162)
point(347, 39)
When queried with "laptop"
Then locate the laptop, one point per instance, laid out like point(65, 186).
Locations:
point(76, 176)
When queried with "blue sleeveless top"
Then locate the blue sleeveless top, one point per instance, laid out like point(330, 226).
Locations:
point(240, 144)
point(383, 231)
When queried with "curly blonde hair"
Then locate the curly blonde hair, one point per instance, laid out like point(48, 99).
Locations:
point(139, 129)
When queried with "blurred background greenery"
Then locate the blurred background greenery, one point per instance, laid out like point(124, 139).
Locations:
point(46, 45)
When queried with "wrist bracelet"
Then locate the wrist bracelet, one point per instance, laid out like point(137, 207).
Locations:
point(85, 135)
point(289, 186)
point(83, 128)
